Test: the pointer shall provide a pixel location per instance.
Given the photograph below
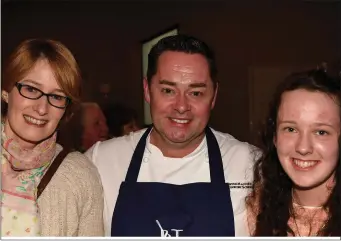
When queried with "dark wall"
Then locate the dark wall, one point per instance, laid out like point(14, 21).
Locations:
point(106, 40)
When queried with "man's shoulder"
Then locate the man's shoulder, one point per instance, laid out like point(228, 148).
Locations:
point(238, 156)
point(120, 148)
point(127, 142)
point(227, 142)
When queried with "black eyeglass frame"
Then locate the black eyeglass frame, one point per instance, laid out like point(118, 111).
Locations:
point(20, 85)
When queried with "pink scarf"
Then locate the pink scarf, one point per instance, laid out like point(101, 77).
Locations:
point(22, 171)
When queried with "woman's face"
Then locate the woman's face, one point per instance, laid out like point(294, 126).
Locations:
point(31, 121)
point(308, 129)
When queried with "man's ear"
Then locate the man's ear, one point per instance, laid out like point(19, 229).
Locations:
point(4, 96)
point(215, 96)
point(146, 90)
point(275, 141)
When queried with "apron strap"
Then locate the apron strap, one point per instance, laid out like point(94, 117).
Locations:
point(215, 159)
point(135, 164)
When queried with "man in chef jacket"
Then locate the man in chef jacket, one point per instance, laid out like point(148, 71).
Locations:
point(178, 177)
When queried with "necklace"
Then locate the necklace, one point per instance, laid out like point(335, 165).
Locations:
point(300, 205)
point(315, 234)
point(307, 214)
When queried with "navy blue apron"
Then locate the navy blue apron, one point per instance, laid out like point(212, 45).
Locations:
point(168, 210)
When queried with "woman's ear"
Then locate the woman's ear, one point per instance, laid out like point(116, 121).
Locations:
point(4, 96)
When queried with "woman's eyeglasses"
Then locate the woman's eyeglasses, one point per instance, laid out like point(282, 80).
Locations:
point(33, 93)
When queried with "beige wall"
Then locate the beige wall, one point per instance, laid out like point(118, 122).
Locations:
point(106, 41)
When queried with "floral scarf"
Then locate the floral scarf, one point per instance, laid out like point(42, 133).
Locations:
point(21, 172)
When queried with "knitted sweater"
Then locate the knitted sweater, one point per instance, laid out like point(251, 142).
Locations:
point(72, 203)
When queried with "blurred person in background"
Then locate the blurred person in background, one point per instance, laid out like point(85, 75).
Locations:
point(87, 126)
point(121, 120)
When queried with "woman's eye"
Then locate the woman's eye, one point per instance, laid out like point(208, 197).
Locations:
point(30, 88)
point(57, 97)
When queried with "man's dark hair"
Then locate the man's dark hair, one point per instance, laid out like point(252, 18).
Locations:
point(185, 44)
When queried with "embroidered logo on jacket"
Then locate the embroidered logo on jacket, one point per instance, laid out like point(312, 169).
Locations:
point(240, 185)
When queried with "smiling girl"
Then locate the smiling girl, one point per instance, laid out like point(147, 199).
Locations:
point(297, 189)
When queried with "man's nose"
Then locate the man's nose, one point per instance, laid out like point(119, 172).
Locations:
point(182, 104)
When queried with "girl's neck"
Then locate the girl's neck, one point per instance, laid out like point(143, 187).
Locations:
point(315, 197)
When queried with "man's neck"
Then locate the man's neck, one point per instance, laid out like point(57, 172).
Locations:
point(175, 150)
point(314, 197)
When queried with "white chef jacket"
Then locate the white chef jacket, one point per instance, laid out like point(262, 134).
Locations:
point(112, 158)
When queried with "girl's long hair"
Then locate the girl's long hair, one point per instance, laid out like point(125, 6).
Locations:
point(271, 195)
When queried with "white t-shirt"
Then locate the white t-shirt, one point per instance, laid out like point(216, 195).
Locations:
point(112, 158)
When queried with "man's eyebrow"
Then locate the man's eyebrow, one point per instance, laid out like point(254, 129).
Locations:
point(198, 85)
point(193, 85)
point(167, 82)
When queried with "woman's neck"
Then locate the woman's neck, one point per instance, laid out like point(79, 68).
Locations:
point(315, 197)
point(11, 134)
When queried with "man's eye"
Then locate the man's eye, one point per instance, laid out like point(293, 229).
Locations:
point(197, 93)
point(167, 91)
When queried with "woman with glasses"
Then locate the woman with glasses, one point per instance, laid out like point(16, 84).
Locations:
point(297, 188)
point(45, 190)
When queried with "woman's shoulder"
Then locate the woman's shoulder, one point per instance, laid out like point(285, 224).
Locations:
point(76, 170)
point(74, 194)
point(78, 162)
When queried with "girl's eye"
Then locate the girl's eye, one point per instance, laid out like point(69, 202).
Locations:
point(289, 129)
point(322, 133)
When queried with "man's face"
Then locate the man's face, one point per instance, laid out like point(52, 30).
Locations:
point(181, 95)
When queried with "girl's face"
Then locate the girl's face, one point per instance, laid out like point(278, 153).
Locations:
point(308, 129)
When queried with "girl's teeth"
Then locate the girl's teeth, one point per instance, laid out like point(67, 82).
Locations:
point(34, 121)
point(304, 164)
point(180, 121)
